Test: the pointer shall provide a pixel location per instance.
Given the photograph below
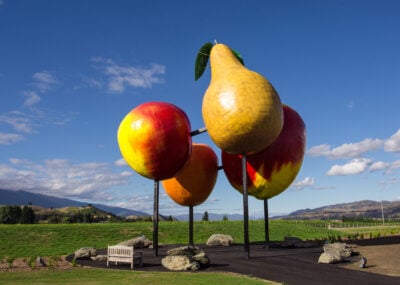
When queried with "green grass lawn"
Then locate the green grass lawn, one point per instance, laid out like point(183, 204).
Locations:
point(369, 231)
point(55, 240)
point(122, 277)
point(63, 239)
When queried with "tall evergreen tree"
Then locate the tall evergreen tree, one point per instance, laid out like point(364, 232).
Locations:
point(205, 217)
point(27, 215)
point(10, 214)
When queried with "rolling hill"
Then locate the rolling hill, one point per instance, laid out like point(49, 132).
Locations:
point(366, 209)
point(9, 197)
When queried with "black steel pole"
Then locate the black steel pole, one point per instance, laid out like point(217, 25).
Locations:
point(155, 217)
point(191, 225)
point(245, 207)
point(266, 222)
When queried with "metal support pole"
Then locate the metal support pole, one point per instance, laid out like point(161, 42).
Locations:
point(266, 223)
point(155, 217)
point(199, 131)
point(245, 207)
point(191, 225)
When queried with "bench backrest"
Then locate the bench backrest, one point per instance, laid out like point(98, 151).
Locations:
point(120, 250)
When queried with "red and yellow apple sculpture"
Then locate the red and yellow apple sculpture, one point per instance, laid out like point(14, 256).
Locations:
point(273, 169)
point(193, 184)
point(154, 139)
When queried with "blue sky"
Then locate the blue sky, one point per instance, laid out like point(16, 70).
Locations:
point(71, 70)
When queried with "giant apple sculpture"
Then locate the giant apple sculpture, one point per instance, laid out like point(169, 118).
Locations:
point(273, 169)
point(194, 182)
point(154, 139)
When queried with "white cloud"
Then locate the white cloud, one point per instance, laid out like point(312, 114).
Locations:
point(60, 177)
point(393, 143)
point(119, 76)
point(120, 162)
point(29, 122)
point(393, 166)
point(320, 150)
point(355, 166)
point(379, 165)
point(126, 173)
point(139, 202)
point(92, 82)
point(6, 139)
point(347, 150)
point(19, 121)
point(306, 182)
point(31, 118)
point(31, 98)
point(44, 81)
point(390, 181)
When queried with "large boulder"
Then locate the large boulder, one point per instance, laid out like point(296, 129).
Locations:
point(185, 250)
point(307, 244)
point(40, 261)
point(138, 242)
point(99, 258)
point(338, 247)
point(178, 262)
point(85, 253)
point(185, 258)
point(335, 252)
point(220, 239)
point(330, 258)
point(202, 259)
point(290, 241)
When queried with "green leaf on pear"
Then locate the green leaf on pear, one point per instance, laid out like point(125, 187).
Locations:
point(202, 60)
point(238, 56)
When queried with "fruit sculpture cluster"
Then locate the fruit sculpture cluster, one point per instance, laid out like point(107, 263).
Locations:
point(243, 115)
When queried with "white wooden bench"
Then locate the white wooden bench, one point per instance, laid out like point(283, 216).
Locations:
point(122, 253)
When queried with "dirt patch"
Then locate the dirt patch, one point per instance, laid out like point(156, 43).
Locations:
point(30, 264)
point(381, 259)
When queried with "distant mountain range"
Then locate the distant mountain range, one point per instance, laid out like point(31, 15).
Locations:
point(9, 197)
point(211, 217)
point(365, 208)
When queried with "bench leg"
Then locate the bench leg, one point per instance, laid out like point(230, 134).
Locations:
point(139, 258)
point(140, 262)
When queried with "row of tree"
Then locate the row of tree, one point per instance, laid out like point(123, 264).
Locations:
point(16, 215)
point(26, 215)
point(205, 217)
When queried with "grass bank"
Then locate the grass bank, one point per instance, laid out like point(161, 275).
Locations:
point(30, 241)
point(122, 277)
point(63, 239)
